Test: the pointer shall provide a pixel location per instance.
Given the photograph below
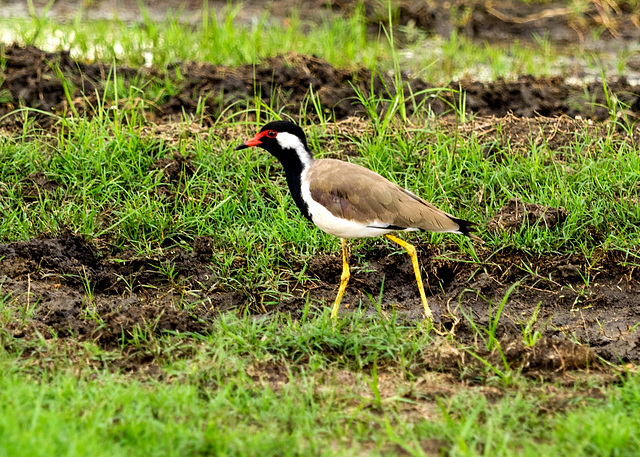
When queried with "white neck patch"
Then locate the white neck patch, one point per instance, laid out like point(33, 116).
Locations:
point(289, 141)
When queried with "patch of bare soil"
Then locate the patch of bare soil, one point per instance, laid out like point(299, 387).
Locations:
point(30, 78)
point(516, 213)
point(64, 287)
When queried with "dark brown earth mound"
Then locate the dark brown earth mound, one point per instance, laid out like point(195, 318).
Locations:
point(65, 287)
point(30, 78)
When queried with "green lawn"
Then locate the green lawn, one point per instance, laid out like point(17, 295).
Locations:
point(297, 388)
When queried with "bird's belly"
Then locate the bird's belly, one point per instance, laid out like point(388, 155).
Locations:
point(343, 228)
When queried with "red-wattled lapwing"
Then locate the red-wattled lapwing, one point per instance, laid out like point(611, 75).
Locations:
point(349, 201)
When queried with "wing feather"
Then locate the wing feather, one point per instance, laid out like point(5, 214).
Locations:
point(356, 193)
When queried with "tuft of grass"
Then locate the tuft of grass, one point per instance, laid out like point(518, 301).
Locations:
point(277, 386)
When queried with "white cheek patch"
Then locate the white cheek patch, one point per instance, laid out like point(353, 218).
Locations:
point(289, 141)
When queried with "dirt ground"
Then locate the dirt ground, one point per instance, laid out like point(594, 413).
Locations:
point(603, 313)
point(30, 79)
point(51, 273)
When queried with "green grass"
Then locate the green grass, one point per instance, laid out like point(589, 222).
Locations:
point(110, 189)
point(294, 388)
point(223, 39)
point(220, 39)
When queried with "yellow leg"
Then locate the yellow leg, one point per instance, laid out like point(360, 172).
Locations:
point(344, 279)
point(411, 250)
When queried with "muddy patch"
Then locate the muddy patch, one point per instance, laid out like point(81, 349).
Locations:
point(73, 261)
point(64, 287)
point(545, 355)
point(544, 297)
point(30, 78)
point(517, 214)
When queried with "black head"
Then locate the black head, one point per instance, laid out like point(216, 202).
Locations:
point(280, 138)
point(287, 142)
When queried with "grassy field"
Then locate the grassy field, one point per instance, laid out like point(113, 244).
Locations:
point(344, 41)
point(372, 383)
point(355, 388)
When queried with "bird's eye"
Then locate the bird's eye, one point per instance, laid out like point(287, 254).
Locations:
point(272, 134)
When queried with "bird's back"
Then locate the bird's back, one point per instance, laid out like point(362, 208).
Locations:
point(358, 194)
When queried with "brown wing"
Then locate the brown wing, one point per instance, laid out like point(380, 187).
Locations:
point(356, 193)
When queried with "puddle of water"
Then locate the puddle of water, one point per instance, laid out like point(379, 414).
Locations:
point(577, 66)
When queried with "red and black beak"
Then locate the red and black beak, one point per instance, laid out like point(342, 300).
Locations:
point(255, 141)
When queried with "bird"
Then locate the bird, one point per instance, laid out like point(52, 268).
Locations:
point(349, 201)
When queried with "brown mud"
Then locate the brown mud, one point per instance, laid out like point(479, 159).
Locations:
point(65, 287)
point(31, 78)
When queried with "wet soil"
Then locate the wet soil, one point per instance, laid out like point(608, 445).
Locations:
point(516, 213)
point(31, 78)
point(66, 287)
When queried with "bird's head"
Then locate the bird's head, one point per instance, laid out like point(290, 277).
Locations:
point(284, 140)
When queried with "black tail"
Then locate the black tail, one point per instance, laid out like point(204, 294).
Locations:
point(466, 228)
